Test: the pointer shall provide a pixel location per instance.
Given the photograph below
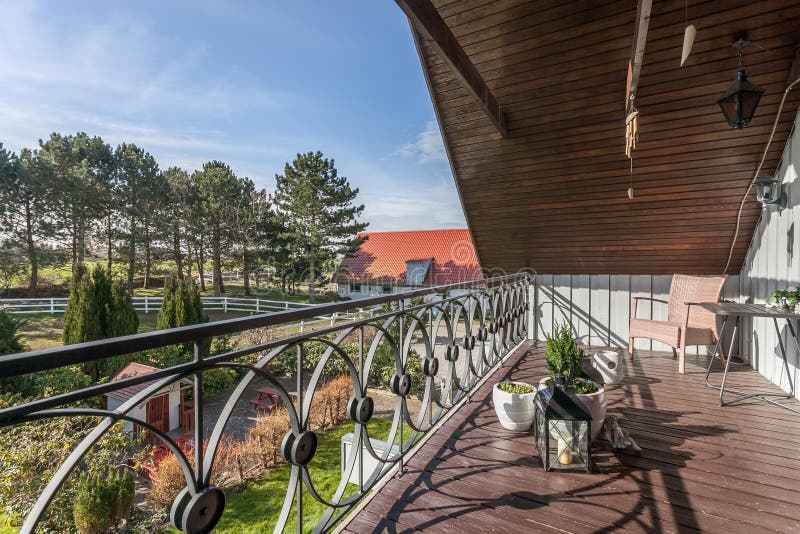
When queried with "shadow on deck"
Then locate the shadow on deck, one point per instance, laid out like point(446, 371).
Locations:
point(702, 467)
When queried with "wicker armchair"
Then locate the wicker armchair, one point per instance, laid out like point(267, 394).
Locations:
point(685, 325)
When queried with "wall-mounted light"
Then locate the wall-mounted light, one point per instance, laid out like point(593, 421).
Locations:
point(740, 101)
point(768, 192)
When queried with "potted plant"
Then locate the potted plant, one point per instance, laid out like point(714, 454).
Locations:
point(564, 361)
point(787, 299)
point(513, 404)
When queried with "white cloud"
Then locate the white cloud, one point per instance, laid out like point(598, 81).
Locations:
point(123, 81)
point(428, 148)
point(395, 201)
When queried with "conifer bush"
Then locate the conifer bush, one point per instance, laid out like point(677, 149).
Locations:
point(98, 309)
point(102, 501)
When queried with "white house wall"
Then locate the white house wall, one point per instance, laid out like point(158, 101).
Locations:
point(598, 307)
point(772, 263)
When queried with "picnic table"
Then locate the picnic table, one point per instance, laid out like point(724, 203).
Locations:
point(269, 398)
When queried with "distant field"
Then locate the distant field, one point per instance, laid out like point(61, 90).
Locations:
point(54, 280)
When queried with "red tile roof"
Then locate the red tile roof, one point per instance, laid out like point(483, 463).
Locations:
point(131, 370)
point(383, 256)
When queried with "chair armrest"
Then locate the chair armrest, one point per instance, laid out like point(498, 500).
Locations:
point(652, 299)
point(636, 304)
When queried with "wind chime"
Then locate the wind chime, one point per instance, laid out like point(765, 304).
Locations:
point(631, 137)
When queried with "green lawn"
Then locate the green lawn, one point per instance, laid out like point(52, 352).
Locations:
point(255, 508)
point(4, 528)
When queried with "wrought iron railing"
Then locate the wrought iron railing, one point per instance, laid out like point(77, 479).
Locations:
point(459, 338)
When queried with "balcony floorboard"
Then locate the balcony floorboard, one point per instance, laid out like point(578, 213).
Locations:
point(702, 467)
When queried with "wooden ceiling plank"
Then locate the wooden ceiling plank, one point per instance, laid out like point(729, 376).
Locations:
point(426, 20)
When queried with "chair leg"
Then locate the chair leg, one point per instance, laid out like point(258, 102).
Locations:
point(682, 354)
point(630, 348)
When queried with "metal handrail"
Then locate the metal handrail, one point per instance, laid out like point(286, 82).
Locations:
point(485, 323)
point(46, 359)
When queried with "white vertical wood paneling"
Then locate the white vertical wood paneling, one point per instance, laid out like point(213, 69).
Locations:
point(544, 305)
point(562, 297)
point(770, 265)
point(660, 290)
point(620, 309)
point(581, 306)
point(641, 286)
point(599, 313)
point(605, 302)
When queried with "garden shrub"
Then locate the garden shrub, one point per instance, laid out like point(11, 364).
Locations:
point(31, 452)
point(269, 430)
point(218, 379)
point(167, 481)
point(10, 338)
point(102, 501)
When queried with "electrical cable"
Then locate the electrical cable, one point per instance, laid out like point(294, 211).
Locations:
point(755, 176)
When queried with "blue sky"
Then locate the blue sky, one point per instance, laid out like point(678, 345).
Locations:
point(249, 83)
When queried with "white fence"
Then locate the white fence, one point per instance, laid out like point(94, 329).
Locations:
point(57, 305)
point(153, 304)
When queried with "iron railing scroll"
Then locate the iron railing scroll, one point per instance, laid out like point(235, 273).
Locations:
point(459, 332)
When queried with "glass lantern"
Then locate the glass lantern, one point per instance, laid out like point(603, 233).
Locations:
point(739, 102)
point(563, 431)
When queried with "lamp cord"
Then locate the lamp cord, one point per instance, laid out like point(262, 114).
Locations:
point(755, 176)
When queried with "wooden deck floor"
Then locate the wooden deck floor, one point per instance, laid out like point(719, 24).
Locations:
point(702, 467)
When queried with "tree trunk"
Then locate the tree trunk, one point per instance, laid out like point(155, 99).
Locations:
point(131, 257)
point(74, 247)
point(246, 270)
point(216, 256)
point(110, 243)
point(311, 275)
point(147, 261)
point(200, 261)
point(81, 240)
point(32, 255)
point(189, 260)
point(176, 251)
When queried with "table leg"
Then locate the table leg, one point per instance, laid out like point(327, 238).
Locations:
point(728, 360)
point(716, 350)
point(783, 352)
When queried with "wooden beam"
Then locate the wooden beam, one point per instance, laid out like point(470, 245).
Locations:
point(426, 20)
point(637, 49)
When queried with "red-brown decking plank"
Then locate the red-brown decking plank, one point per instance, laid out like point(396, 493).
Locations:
point(702, 467)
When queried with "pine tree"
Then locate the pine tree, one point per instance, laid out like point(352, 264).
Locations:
point(317, 207)
point(98, 309)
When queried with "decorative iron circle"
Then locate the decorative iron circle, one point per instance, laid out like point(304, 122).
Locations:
point(430, 366)
point(178, 506)
point(451, 355)
point(492, 327)
point(401, 384)
point(481, 334)
point(304, 447)
point(469, 342)
point(203, 511)
point(361, 409)
point(286, 445)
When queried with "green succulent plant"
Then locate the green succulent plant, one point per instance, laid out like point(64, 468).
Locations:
point(516, 387)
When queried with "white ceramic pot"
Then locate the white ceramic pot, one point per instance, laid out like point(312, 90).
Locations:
point(514, 410)
point(595, 403)
point(607, 363)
